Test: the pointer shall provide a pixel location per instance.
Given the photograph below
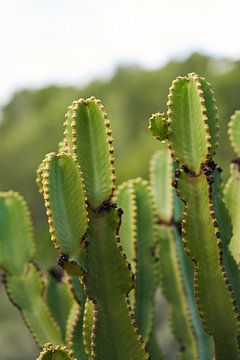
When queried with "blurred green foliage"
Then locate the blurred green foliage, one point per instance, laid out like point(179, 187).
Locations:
point(32, 125)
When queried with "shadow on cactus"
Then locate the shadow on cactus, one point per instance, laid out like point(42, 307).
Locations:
point(117, 246)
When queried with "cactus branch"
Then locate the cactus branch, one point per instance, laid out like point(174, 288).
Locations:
point(23, 281)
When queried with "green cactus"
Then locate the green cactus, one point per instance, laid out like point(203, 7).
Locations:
point(158, 126)
point(175, 269)
point(78, 187)
point(23, 281)
point(139, 240)
point(59, 299)
point(114, 258)
point(192, 137)
point(87, 325)
point(96, 322)
point(148, 227)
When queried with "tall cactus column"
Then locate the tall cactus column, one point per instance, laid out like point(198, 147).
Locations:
point(138, 238)
point(175, 268)
point(192, 134)
point(78, 186)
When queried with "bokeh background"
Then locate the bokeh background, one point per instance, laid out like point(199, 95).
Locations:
point(124, 52)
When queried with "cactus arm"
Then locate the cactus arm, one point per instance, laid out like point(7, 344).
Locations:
point(226, 232)
point(204, 247)
point(108, 280)
point(158, 126)
point(74, 331)
point(176, 269)
point(232, 200)
point(203, 232)
point(125, 198)
point(188, 128)
point(174, 291)
point(91, 139)
point(16, 246)
point(205, 342)
point(211, 112)
point(66, 206)
point(51, 352)
point(171, 277)
point(24, 284)
point(100, 263)
point(76, 286)
point(146, 271)
point(60, 300)
point(138, 233)
point(72, 320)
point(234, 132)
point(161, 174)
point(69, 145)
point(25, 291)
point(88, 322)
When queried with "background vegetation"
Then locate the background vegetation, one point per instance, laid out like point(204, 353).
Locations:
point(32, 123)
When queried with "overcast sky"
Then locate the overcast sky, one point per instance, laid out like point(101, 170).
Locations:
point(73, 41)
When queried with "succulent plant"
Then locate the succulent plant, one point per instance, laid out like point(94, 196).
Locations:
point(177, 231)
point(192, 135)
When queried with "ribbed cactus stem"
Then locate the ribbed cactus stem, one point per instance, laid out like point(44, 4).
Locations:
point(139, 240)
point(193, 137)
point(78, 188)
point(175, 272)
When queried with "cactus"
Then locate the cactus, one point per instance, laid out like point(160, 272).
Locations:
point(78, 186)
point(175, 269)
point(138, 234)
point(46, 309)
point(117, 246)
point(192, 136)
point(23, 280)
point(96, 320)
point(148, 232)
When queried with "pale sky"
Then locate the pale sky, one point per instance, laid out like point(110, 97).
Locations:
point(74, 41)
